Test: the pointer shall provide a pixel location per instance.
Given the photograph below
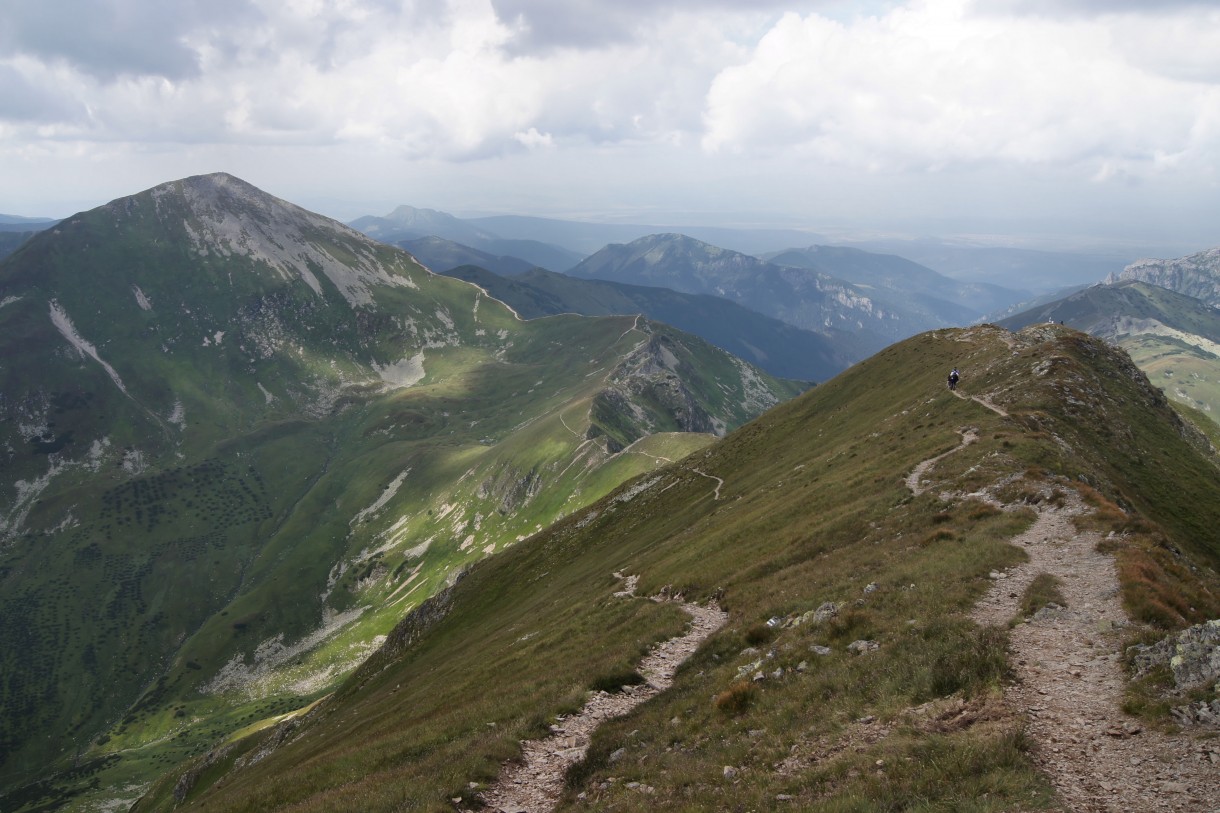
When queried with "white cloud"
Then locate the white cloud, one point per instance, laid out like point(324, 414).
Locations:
point(633, 100)
point(534, 139)
point(930, 85)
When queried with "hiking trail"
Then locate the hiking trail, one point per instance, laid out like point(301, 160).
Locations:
point(535, 784)
point(1069, 682)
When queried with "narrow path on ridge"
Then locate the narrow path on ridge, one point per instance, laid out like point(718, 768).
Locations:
point(1070, 684)
point(719, 482)
point(915, 478)
point(535, 784)
point(983, 400)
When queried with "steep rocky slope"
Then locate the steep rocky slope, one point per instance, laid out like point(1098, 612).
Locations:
point(1196, 275)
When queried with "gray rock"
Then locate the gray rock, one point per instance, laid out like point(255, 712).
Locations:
point(1193, 655)
point(862, 647)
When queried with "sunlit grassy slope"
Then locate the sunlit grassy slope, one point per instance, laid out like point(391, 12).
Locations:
point(240, 442)
point(805, 505)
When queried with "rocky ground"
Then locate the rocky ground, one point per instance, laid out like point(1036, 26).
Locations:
point(1070, 685)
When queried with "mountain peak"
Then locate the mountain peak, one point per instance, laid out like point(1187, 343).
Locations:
point(1196, 275)
point(225, 216)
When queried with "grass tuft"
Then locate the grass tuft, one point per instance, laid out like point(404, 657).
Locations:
point(1041, 592)
point(736, 698)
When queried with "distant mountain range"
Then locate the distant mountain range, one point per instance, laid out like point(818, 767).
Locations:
point(869, 300)
point(407, 225)
point(801, 296)
point(902, 283)
point(777, 347)
point(25, 224)
point(1174, 338)
point(240, 440)
point(1032, 272)
point(1036, 271)
point(16, 230)
point(860, 299)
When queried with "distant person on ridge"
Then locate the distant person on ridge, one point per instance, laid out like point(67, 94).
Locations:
point(953, 376)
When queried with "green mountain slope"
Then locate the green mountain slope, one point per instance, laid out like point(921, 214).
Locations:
point(241, 440)
point(775, 346)
point(1174, 338)
point(802, 525)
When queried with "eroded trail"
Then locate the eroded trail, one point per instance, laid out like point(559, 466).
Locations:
point(1070, 685)
point(535, 784)
point(1070, 682)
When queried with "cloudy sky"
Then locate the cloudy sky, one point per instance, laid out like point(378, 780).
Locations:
point(1023, 120)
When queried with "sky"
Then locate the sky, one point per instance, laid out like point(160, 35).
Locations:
point(1026, 122)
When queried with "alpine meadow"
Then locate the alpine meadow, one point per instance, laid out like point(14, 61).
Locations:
point(289, 522)
point(242, 440)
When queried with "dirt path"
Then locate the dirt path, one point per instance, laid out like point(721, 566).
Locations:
point(535, 784)
point(1070, 682)
point(719, 482)
point(1070, 685)
point(984, 401)
point(915, 478)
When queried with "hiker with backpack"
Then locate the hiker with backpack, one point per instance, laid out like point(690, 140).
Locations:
point(953, 376)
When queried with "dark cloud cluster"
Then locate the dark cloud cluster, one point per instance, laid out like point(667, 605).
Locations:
point(107, 39)
point(549, 24)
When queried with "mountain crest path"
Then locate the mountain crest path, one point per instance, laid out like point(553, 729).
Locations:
point(1069, 682)
point(535, 784)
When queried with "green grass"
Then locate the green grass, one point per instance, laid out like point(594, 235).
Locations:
point(812, 509)
point(1187, 375)
point(243, 489)
point(1041, 592)
point(796, 524)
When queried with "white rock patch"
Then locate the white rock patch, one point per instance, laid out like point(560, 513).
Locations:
point(402, 374)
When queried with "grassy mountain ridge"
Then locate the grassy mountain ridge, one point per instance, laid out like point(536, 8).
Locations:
point(780, 348)
point(241, 440)
point(1173, 337)
point(802, 508)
